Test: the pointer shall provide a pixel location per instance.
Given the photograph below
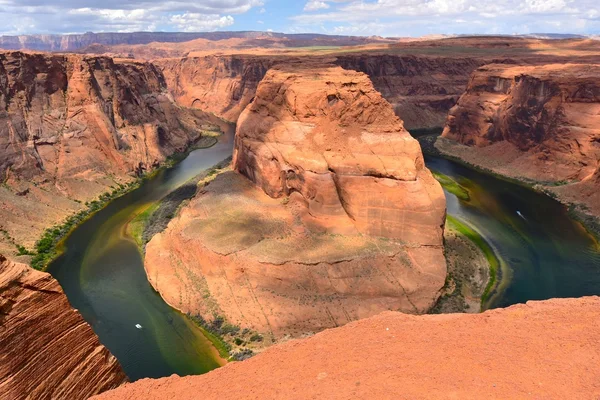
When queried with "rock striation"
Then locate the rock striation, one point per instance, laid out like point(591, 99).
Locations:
point(534, 350)
point(421, 89)
point(330, 217)
point(538, 123)
point(72, 127)
point(47, 350)
point(223, 85)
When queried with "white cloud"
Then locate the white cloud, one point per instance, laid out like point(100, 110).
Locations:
point(313, 5)
point(61, 16)
point(194, 22)
point(400, 17)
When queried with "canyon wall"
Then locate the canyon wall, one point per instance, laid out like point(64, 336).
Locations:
point(538, 123)
point(536, 350)
point(73, 127)
point(332, 216)
point(422, 89)
point(47, 350)
point(223, 85)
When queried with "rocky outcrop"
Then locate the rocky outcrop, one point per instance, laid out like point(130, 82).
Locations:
point(47, 350)
point(538, 123)
point(223, 85)
point(534, 350)
point(333, 218)
point(72, 127)
point(422, 89)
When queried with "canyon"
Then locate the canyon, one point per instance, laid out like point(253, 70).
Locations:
point(535, 123)
point(329, 216)
point(36, 321)
point(73, 127)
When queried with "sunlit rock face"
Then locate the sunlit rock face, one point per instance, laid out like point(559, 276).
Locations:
point(330, 215)
point(47, 350)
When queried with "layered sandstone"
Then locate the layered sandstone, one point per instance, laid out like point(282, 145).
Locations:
point(72, 127)
point(536, 350)
point(332, 216)
point(421, 88)
point(223, 85)
point(47, 350)
point(539, 123)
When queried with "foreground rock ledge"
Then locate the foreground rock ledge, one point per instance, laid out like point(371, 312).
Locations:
point(333, 218)
point(47, 350)
point(541, 350)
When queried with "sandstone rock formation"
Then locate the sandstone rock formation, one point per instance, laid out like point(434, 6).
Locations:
point(47, 350)
point(73, 126)
point(540, 350)
point(223, 85)
point(421, 88)
point(540, 123)
point(343, 221)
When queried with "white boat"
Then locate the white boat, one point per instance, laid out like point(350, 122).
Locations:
point(138, 326)
point(520, 215)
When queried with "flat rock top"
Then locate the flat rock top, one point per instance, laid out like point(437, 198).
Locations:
point(541, 350)
point(234, 216)
point(554, 72)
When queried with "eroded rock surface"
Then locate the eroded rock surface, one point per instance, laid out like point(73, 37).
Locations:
point(333, 217)
point(47, 350)
point(73, 126)
point(544, 350)
point(540, 123)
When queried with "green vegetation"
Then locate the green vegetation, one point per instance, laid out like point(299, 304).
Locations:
point(487, 250)
point(22, 251)
point(222, 335)
point(452, 186)
point(135, 228)
point(48, 247)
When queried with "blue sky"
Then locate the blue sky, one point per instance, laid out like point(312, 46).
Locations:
point(346, 17)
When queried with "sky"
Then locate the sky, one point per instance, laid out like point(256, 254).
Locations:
point(343, 17)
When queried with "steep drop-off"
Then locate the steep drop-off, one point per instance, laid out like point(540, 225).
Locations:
point(422, 89)
point(539, 123)
point(343, 220)
point(72, 127)
point(536, 350)
point(223, 85)
point(47, 350)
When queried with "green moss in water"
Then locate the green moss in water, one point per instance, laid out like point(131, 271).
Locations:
point(487, 250)
point(452, 186)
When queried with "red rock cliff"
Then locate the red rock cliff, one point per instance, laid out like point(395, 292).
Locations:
point(343, 220)
point(47, 350)
point(544, 350)
point(534, 122)
point(73, 126)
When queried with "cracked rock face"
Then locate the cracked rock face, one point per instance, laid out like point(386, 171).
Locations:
point(545, 117)
point(73, 127)
point(330, 217)
point(47, 350)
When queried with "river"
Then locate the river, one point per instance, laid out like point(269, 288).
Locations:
point(544, 254)
point(102, 273)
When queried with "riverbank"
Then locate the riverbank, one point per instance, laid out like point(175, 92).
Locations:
point(51, 244)
point(465, 155)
